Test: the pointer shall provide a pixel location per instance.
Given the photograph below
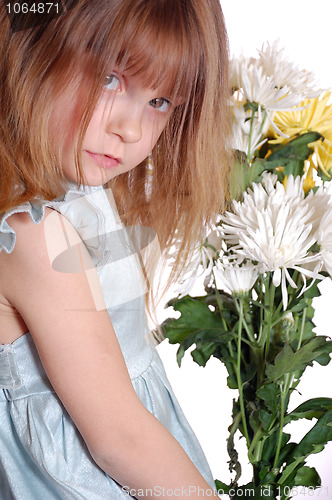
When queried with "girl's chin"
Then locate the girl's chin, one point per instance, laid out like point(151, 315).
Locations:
point(89, 180)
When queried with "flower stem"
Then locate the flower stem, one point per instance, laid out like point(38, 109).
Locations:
point(219, 302)
point(262, 124)
point(252, 118)
point(256, 446)
point(276, 316)
point(245, 325)
point(289, 379)
point(238, 375)
point(269, 319)
point(282, 416)
point(263, 297)
point(302, 329)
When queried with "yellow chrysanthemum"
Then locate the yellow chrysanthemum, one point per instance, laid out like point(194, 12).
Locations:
point(323, 151)
point(309, 180)
point(309, 177)
point(317, 117)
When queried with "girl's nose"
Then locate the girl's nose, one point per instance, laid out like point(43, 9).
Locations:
point(127, 124)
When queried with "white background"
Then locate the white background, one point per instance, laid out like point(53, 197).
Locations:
point(305, 30)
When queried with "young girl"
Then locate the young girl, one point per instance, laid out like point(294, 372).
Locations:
point(86, 410)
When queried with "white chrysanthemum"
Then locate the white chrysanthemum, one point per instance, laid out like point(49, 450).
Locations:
point(238, 280)
point(201, 263)
point(255, 86)
point(323, 233)
point(247, 137)
point(271, 227)
point(258, 87)
point(274, 62)
point(319, 201)
point(214, 242)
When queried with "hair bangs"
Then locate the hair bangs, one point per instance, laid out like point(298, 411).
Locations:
point(160, 49)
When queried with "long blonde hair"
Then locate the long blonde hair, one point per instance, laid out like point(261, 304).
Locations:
point(182, 42)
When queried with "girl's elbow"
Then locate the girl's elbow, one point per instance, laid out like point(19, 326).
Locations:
point(110, 450)
point(123, 441)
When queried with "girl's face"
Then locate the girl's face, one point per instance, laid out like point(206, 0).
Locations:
point(122, 132)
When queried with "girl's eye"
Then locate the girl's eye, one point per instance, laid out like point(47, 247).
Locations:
point(160, 103)
point(112, 83)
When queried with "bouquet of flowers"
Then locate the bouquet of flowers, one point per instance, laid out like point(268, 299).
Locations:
point(261, 264)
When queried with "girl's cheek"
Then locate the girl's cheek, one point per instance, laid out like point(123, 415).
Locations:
point(158, 119)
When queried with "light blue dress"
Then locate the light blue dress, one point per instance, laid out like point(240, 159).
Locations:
point(42, 455)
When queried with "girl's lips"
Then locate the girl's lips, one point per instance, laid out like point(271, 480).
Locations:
point(104, 161)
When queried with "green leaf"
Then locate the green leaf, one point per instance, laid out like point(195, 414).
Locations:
point(323, 359)
point(180, 354)
point(293, 167)
point(264, 472)
point(248, 372)
point(196, 325)
point(308, 333)
point(290, 156)
point(203, 353)
point(296, 149)
point(234, 464)
point(297, 305)
point(315, 440)
point(289, 473)
point(285, 453)
point(195, 317)
point(266, 419)
point(313, 291)
point(221, 487)
point(232, 381)
point(307, 476)
point(270, 445)
point(323, 176)
point(288, 361)
point(269, 394)
point(313, 408)
point(254, 420)
point(195, 337)
point(242, 176)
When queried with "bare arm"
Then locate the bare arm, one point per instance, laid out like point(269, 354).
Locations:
point(83, 360)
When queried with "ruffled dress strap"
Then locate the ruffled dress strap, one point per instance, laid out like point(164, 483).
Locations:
point(36, 211)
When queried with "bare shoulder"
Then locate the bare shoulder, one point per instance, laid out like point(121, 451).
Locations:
point(38, 244)
point(44, 253)
point(27, 237)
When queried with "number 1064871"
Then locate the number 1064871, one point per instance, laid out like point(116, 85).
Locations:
point(36, 8)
